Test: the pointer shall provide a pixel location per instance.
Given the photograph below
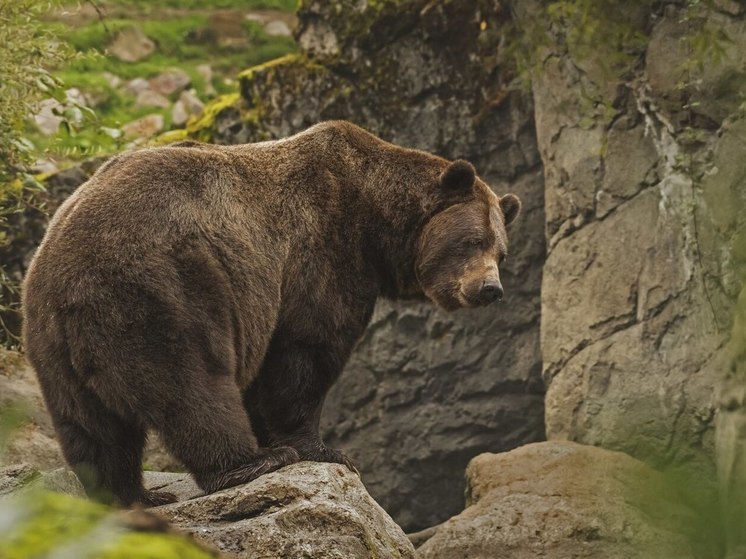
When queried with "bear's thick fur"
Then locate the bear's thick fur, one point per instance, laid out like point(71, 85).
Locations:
point(214, 294)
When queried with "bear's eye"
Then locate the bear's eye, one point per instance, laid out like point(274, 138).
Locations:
point(474, 242)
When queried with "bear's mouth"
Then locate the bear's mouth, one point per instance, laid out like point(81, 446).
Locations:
point(467, 301)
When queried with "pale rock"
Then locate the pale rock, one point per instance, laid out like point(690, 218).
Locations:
point(44, 165)
point(308, 509)
point(179, 114)
point(206, 73)
point(77, 97)
point(45, 119)
point(188, 105)
point(170, 82)
point(144, 127)
point(131, 45)
point(562, 499)
point(150, 98)
point(136, 86)
point(191, 101)
point(112, 79)
point(277, 28)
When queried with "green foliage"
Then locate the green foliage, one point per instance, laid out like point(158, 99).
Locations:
point(147, 5)
point(42, 524)
point(29, 51)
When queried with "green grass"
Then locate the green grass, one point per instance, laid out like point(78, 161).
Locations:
point(172, 25)
point(148, 5)
point(173, 48)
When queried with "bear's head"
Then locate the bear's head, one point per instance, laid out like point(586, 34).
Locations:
point(463, 244)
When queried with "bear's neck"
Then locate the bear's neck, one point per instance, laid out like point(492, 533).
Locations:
point(392, 211)
point(380, 200)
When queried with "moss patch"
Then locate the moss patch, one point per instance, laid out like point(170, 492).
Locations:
point(201, 127)
point(46, 522)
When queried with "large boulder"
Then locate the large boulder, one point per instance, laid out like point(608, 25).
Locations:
point(308, 510)
point(562, 499)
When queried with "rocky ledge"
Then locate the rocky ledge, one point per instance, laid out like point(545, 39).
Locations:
point(304, 510)
point(307, 510)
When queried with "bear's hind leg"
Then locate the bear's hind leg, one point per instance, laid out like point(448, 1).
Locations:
point(211, 434)
point(106, 454)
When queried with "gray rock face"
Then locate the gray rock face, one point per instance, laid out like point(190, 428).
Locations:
point(632, 312)
point(725, 194)
point(307, 510)
point(562, 499)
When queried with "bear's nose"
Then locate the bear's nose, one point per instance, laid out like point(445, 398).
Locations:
point(491, 291)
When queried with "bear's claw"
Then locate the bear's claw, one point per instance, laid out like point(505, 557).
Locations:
point(156, 498)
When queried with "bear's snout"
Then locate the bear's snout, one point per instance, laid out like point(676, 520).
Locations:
point(491, 291)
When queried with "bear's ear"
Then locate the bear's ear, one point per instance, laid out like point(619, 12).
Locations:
point(510, 204)
point(458, 177)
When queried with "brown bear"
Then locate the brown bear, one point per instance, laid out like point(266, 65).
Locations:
point(214, 293)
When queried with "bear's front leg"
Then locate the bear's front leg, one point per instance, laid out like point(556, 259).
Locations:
point(285, 401)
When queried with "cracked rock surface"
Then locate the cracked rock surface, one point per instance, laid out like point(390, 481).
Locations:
point(307, 510)
point(638, 285)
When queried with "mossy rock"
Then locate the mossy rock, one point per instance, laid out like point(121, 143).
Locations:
point(44, 524)
point(357, 25)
